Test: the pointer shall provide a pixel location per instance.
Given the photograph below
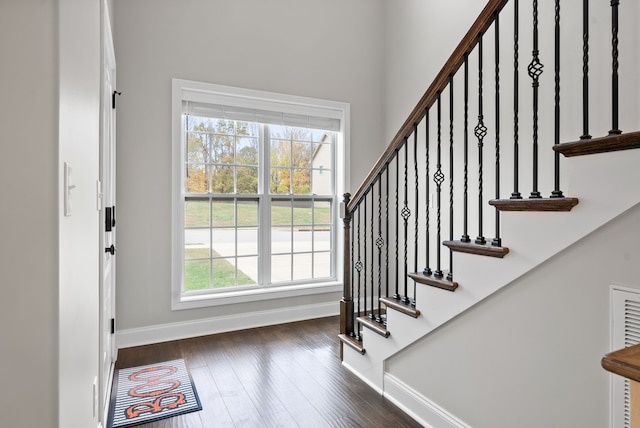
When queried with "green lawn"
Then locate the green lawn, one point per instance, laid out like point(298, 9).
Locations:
point(196, 272)
point(197, 214)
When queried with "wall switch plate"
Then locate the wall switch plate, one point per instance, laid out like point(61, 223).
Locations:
point(68, 186)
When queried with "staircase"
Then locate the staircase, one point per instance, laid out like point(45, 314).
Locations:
point(442, 221)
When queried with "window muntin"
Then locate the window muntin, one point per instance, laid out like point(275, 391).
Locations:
point(226, 203)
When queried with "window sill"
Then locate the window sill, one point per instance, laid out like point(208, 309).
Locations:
point(253, 295)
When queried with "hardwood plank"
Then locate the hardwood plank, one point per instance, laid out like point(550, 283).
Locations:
point(287, 375)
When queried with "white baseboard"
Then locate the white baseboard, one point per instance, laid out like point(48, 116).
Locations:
point(419, 407)
point(203, 327)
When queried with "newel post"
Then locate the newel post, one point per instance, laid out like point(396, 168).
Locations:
point(346, 304)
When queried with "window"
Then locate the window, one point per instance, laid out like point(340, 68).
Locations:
point(256, 178)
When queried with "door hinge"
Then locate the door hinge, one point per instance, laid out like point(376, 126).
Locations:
point(113, 98)
point(113, 325)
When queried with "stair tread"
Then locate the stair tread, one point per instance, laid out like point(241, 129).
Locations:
point(609, 143)
point(352, 342)
point(535, 204)
point(374, 326)
point(405, 308)
point(433, 281)
point(479, 249)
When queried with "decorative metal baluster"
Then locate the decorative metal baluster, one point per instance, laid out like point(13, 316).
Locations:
point(386, 231)
point(364, 267)
point(465, 227)
point(585, 71)
point(516, 102)
point(535, 70)
point(615, 65)
point(396, 295)
point(358, 267)
point(497, 241)
point(480, 132)
point(416, 228)
point(438, 178)
point(353, 268)
point(427, 270)
point(557, 193)
point(372, 314)
point(450, 274)
point(379, 244)
point(406, 213)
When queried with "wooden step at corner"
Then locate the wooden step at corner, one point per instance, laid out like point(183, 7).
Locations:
point(352, 342)
point(405, 308)
point(479, 249)
point(590, 146)
point(373, 325)
point(433, 281)
point(535, 204)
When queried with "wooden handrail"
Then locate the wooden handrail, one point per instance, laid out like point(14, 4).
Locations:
point(455, 61)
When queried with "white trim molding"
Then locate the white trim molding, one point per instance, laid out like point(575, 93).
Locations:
point(419, 407)
point(203, 327)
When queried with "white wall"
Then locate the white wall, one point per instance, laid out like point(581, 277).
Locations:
point(28, 212)
point(530, 355)
point(330, 50)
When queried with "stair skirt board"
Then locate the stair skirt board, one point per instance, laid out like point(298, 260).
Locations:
point(419, 407)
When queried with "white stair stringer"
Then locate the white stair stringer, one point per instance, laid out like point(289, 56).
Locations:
point(606, 186)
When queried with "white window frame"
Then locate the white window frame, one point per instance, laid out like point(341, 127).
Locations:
point(247, 98)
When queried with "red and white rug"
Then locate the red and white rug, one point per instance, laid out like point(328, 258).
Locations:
point(152, 392)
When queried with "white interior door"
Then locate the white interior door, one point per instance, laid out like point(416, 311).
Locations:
point(108, 349)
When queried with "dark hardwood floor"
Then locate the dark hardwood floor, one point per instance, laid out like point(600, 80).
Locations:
point(281, 376)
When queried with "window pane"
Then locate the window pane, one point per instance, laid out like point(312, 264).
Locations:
point(224, 242)
point(247, 180)
point(222, 179)
point(322, 212)
point(196, 213)
point(280, 240)
point(322, 240)
point(302, 213)
point(247, 270)
point(302, 240)
point(248, 242)
point(248, 128)
point(301, 153)
point(280, 213)
point(302, 264)
point(247, 213)
point(301, 181)
point(281, 153)
point(280, 181)
point(222, 149)
point(196, 275)
point(322, 265)
point(197, 244)
point(223, 212)
point(322, 182)
point(247, 151)
point(281, 268)
point(223, 273)
point(197, 147)
point(196, 179)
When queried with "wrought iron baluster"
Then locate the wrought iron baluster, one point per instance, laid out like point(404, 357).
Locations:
point(557, 193)
point(615, 65)
point(465, 223)
point(358, 267)
point(386, 230)
point(406, 213)
point(450, 274)
point(353, 262)
point(480, 132)
point(372, 314)
point(416, 228)
point(585, 71)
point(396, 295)
point(497, 241)
point(379, 244)
point(516, 102)
point(364, 267)
point(535, 70)
point(427, 270)
point(438, 178)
